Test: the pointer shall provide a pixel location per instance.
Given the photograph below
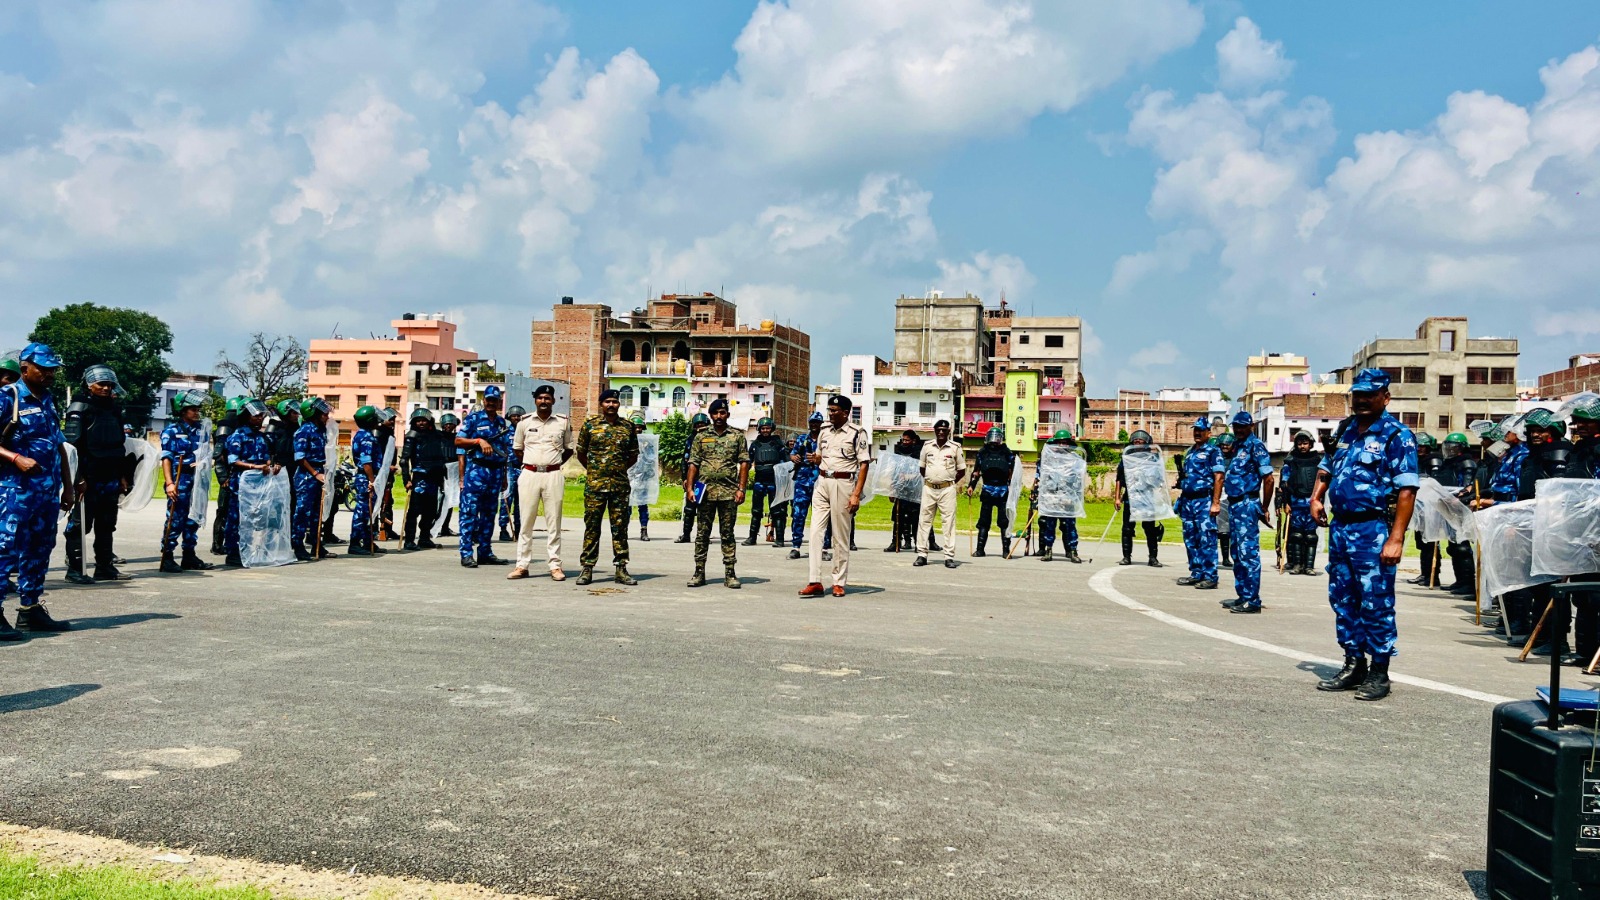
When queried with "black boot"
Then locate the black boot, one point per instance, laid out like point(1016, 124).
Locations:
point(74, 576)
point(301, 555)
point(1072, 556)
point(7, 633)
point(1153, 543)
point(1308, 555)
point(1376, 686)
point(1005, 548)
point(1224, 546)
point(233, 561)
point(505, 536)
point(36, 618)
point(193, 563)
point(981, 542)
point(698, 579)
point(1353, 674)
point(109, 572)
point(169, 565)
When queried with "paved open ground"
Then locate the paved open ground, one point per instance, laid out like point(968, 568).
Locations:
point(1007, 729)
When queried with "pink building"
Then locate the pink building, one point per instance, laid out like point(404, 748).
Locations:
point(400, 372)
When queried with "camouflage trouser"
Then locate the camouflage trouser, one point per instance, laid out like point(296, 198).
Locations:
point(1361, 588)
point(725, 511)
point(612, 505)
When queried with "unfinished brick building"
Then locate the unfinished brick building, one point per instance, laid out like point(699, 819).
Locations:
point(676, 355)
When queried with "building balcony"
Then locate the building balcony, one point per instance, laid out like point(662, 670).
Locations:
point(677, 368)
point(740, 372)
point(905, 420)
point(985, 390)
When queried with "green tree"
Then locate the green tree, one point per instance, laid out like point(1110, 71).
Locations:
point(273, 368)
point(1122, 435)
point(131, 342)
point(674, 434)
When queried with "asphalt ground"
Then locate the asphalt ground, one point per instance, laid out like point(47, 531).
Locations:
point(1005, 729)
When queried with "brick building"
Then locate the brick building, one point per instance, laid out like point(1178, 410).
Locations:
point(1442, 379)
point(1581, 374)
point(676, 355)
point(1280, 418)
point(1170, 422)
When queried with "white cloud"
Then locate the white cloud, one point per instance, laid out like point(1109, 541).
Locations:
point(1480, 208)
point(987, 275)
point(830, 81)
point(1173, 253)
point(1246, 62)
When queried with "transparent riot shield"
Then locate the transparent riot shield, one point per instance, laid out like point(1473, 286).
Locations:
point(142, 486)
point(380, 481)
point(783, 475)
point(265, 514)
point(452, 487)
point(330, 467)
point(1144, 472)
point(1440, 516)
point(200, 487)
point(1566, 527)
point(1505, 533)
point(70, 476)
point(899, 477)
point(1063, 477)
point(644, 476)
point(1014, 491)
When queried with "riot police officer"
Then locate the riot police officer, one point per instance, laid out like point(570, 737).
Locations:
point(247, 449)
point(511, 506)
point(424, 459)
point(180, 441)
point(224, 471)
point(805, 480)
point(699, 423)
point(1068, 526)
point(1297, 482)
point(995, 466)
point(1459, 470)
point(448, 423)
point(1428, 463)
point(1247, 486)
point(308, 460)
point(1138, 442)
point(767, 452)
point(1199, 501)
point(365, 452)
point(94, 427)
point(32, 488)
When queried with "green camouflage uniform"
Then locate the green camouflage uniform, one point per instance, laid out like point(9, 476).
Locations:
point(610, 451)
point(718, 457)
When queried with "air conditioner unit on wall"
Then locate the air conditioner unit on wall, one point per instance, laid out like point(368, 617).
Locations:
point(944, 395)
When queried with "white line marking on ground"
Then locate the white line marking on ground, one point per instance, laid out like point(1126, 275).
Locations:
point(1101, 584)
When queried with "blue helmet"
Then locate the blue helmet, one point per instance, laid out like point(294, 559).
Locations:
point(815, 417)
point(1243, 418)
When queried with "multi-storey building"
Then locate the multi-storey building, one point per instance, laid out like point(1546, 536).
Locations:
point(1263, 374)
point(177, 383)
point(1581, 374)
point(1442, 379)
point(935, 328)
point(1280, 418)
point(890, 398)
point(419, 366)
point(676, 355)
point(1170, 422)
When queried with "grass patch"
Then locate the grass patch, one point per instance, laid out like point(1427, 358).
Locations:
point(25, 878)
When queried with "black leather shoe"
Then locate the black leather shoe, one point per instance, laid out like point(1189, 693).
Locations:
point(492, 560)
point(681, 539)
point(36, 618)
point(233, 561)
point(505, 536)
point(1376, 685)
point(169, 566)
point(951, 564)
point(409, 545)
point(192, 563)
point(467, 562)
point(698, 579)
point(303, 556)
point(426, 544)
point(379, 551)
point(748, 542)
point(1155, 563)
point(921, 561)
point(1210, 584)
point(358, 551)
point(891, 548)
point(1244, 609)
point(1126, 561)
point(1353, 673)
point(325, 553)
point(443, 532)
point(1186, 581)
point(328, 539)
point(979, 552)
point(7, 633)
point(795, 553)
point(74, 577)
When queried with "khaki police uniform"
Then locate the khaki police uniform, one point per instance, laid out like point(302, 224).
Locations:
point(941, 469)
point(540, 445)
point(844, 451)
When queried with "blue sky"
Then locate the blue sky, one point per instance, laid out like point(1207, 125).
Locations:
point(1197, 180)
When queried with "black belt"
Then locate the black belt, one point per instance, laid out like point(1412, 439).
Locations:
point(1240, 498)
point(1196, 495)
point(1371, 515)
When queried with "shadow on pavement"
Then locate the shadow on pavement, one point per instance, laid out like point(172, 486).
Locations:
point(43, 697)
point(1478, 881)
point(99, 623)
point(1318, 669)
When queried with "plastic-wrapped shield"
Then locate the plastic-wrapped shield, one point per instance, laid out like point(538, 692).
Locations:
point(783, 475)
point(1144, 472)
point(644, 476)
point(380, 480)
point(899, 477)
point(265, 512)
point(1505, 533)
point(143, 485)
point(452, 486)
point(1063, 475)
point(1014, 491)
point(1439, 516)
point(330, 468)
point(1566, 527)
point(200, 493)
point(72, 475)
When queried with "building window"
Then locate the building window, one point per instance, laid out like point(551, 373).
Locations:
point(1444, 424)
point(334, 366)
point(1393, 372)
point(679, 396)
point(926, 410)
point(1447, 385)
point(1411, 419)
point(1413, 375)
point(1021, 426)
point(361, 399)
point(758, 398)
point(1478, 375)
point(1500, 375)
point(361, 367)
point(707, 358)
point(1447, 342)
point(760, 356)
point(1005, 338)
point(391, 368)
point(391, 400)
point(1052, 371)
point(1022, 390)
point(625, 394)
point(855, 414)
point(625, 352)
point(314, 365)
point(1055, 341)
point(1022, 339)
point(416, 381)
point(855, 381)
point(333, 401)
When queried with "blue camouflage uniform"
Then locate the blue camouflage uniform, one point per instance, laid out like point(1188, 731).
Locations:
point(246, 444)
point(1241, 485)
point(511, 506)
point(1507, 482)
point(29, 503)
point(1200, 466)
point(311, 447)
point(179, 441)
point(363, 453)
point(805, 482)
point(1365, 472)
point(483, 477)
point(1047, 532)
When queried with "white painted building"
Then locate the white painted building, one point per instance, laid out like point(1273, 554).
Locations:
point(1277, 428)
point(1211, 396)
point(888, 400)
